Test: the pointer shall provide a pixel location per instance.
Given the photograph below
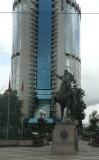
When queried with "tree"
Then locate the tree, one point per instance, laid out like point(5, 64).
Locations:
point(80, 106)
point(15, 114)
point(3, 111)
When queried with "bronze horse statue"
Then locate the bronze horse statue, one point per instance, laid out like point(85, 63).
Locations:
point(65, 96)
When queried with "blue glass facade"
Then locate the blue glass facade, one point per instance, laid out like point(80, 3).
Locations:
point(72, 31)
point(44, 50)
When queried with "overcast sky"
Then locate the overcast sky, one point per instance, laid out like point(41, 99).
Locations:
point(90, 53)
point(89, 49)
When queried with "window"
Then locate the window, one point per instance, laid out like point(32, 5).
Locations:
point(73, 64)
point(67, 62)
point(25, 1)
point(68, 69)
point(25, 4)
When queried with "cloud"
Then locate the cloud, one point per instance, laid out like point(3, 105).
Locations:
point(6, 5)
point(88, 111)
point(4, 75)
point(90, 80)
point(4, 71)
point(90, 54)
point(5, 43)
point(5, 20)
point(90, 51)
point(5, 33)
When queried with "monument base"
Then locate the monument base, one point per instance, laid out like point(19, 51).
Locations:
point(65, 139)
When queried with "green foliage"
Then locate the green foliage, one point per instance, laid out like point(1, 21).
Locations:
point(28, 132)
point(15, 114)
point(15, 110)
point(93, 127)
point(44, 130)
point(80, 106)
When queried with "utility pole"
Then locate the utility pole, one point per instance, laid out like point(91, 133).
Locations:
point(8, 117)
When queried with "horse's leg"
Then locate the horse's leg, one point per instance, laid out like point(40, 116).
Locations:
point(68, 113)
point(62, 112)
point(53, 102)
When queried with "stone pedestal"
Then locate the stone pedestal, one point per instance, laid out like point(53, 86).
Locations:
point(65, 139)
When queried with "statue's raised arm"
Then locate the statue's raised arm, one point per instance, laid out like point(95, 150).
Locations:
point(58, 76)
point(67, 78)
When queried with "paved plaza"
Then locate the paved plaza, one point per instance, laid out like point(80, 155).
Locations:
point(44, 153)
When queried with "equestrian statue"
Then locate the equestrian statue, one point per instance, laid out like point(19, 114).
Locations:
point(65, 96)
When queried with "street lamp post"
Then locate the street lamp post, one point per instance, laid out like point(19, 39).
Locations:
point(8, 118)
point(22, 123)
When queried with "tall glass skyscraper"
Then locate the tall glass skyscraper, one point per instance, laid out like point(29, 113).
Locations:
point(46, 38)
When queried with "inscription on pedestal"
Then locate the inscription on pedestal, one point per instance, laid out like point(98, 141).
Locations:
point(64, 134)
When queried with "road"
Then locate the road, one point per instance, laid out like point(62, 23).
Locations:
point(44, 153)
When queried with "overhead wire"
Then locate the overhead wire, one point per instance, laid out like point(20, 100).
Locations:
point(48, 13)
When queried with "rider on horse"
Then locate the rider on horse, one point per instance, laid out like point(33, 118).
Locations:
point(67, 79)
point(65, 96)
